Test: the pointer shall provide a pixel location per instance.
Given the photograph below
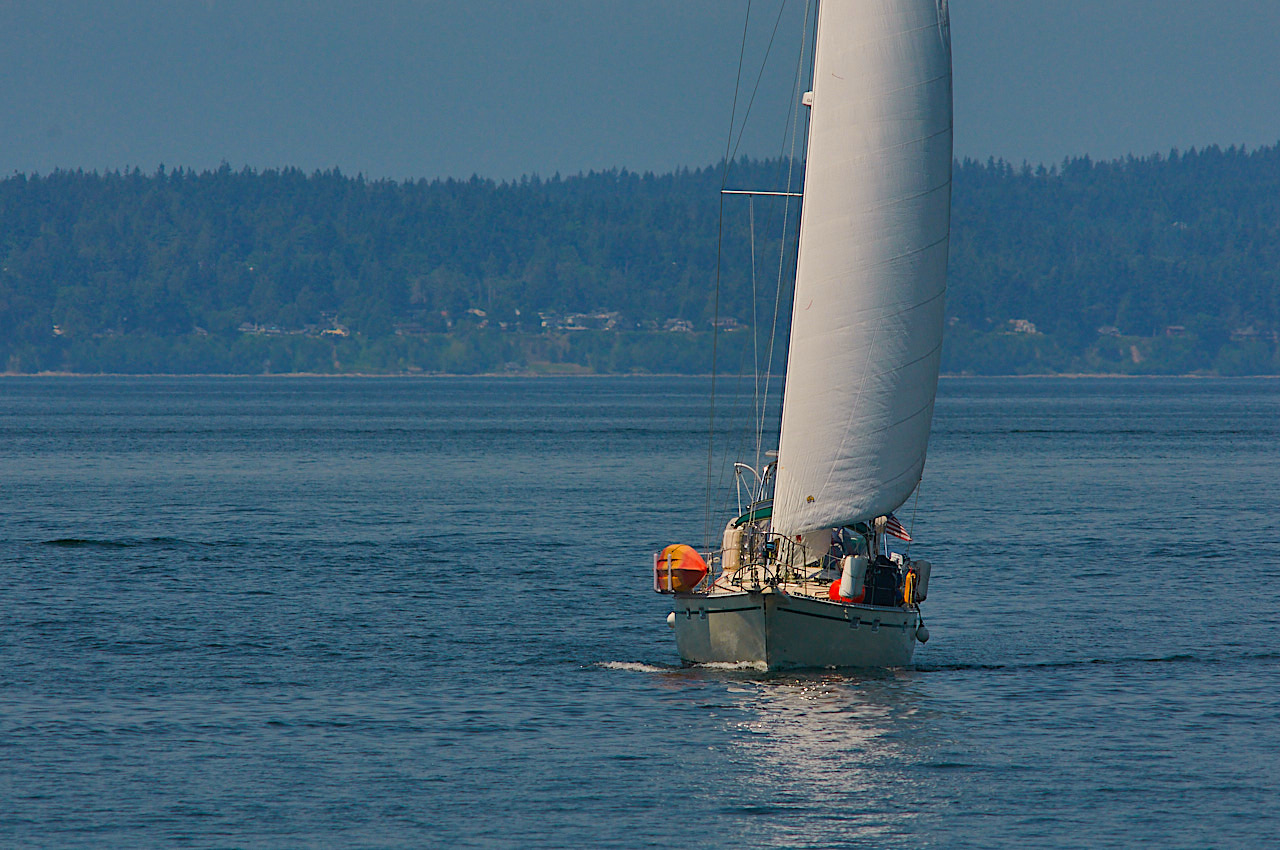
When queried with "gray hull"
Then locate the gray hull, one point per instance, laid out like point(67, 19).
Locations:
point(779, 631)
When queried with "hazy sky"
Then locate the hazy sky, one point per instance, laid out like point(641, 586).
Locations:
point(428, 88)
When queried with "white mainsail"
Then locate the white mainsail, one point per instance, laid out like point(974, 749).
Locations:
point(866, 329)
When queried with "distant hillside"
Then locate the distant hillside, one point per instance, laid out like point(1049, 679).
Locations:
point(1163, 264)
point(1154, 265)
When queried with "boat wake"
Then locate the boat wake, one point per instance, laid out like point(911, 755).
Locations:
point(733, 666)
point(719, 666)
point(634, 667)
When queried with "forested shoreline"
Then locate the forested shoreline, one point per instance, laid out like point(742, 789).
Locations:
point(1167, 264)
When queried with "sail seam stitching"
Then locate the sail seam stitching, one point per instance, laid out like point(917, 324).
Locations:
point(913, 362)
point(916, 85)
point(917, 140)
point(896, 36)
point(895, 201)
point(882, 316)
point(891, 425)
point(912, 253)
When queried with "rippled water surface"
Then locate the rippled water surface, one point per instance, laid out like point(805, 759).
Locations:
point(409, 613)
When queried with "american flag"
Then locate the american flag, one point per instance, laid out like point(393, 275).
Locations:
point(892, 526)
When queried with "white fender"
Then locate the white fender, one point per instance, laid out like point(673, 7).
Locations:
point(851, 578)
point(731, 554)
point(922, 568)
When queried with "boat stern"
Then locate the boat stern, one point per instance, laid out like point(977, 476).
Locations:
point(721, 628)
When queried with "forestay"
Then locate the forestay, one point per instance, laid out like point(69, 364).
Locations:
point(866, 331)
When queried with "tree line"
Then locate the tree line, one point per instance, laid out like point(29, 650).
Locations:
point(1160, 264)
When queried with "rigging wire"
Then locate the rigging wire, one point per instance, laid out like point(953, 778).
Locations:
point(755, 336)
point(789, 137)
point(715, 323)
point(786, 211)
point(761, 399)
point(782, 7)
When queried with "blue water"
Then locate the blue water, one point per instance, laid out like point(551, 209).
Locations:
point(413, 613)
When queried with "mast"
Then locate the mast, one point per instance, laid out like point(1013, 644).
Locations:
point(867, 317)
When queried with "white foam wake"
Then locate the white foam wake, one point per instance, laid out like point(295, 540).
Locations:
point(632, 667)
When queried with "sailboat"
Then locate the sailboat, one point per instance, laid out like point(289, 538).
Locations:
point(809, 573)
